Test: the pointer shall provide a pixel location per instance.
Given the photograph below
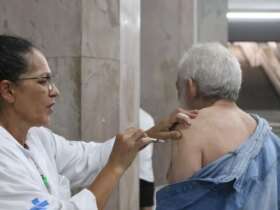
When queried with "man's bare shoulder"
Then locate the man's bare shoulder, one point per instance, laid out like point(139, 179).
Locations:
point(211, 132)
point(200, 127)
point(187, 152)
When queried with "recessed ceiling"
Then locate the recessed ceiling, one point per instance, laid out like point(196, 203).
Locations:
point(261, 28)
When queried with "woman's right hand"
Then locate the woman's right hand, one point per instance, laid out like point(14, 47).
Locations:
point(126, 147)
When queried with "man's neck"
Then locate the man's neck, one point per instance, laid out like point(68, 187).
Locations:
point(225, 103)
point(204, 103)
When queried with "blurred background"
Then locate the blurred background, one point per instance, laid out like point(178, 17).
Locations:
point(110, 57)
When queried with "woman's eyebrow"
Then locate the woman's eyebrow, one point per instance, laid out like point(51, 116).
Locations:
point(45, 74)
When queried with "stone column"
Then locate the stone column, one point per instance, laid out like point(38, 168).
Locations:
point(168, 29)
point(211, 21)
point(129, 93)
point(110, 80)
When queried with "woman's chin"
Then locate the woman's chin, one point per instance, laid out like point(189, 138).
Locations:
point(43, 122)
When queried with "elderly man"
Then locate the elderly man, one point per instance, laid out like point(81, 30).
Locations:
point(228, 159)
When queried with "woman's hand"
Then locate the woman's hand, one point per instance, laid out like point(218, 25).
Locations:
point(124, 151)
point(165, 129)
point(126, 147)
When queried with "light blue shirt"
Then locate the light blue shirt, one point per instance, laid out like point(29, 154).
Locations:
point(246, 179)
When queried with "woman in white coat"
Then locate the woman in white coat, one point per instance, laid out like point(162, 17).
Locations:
point(37, 167)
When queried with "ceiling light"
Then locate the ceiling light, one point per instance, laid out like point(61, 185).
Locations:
point(253, 15)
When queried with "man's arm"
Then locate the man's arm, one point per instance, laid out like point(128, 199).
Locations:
point(186, 155)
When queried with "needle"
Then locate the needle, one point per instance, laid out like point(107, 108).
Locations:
point(154, 140)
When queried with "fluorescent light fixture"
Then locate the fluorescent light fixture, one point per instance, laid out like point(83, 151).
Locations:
point(253, 15)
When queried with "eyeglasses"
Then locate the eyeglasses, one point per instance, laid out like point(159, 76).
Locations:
point(43, 80)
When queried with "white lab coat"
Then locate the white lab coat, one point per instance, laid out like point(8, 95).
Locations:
point(66, 164)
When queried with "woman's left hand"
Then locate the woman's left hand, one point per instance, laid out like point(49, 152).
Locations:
point(165, 129)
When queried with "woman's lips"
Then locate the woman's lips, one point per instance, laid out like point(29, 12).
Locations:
point(50, 107)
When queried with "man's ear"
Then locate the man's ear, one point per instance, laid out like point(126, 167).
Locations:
point(191, 89)
point(7, 91)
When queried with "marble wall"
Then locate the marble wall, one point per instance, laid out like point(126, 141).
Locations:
point(100, 74)
point(168, 29)
point(160, 49)
point(129, 93)
point(110, 80)
point(100, 69)
point(54, 26)
point(211, 21)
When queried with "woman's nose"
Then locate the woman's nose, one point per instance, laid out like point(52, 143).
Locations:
point(54, 92)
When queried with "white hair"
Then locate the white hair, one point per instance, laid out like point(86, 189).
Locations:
point(214, 69)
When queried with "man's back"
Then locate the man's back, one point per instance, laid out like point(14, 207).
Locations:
point(218, 130)
point(246, 178)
